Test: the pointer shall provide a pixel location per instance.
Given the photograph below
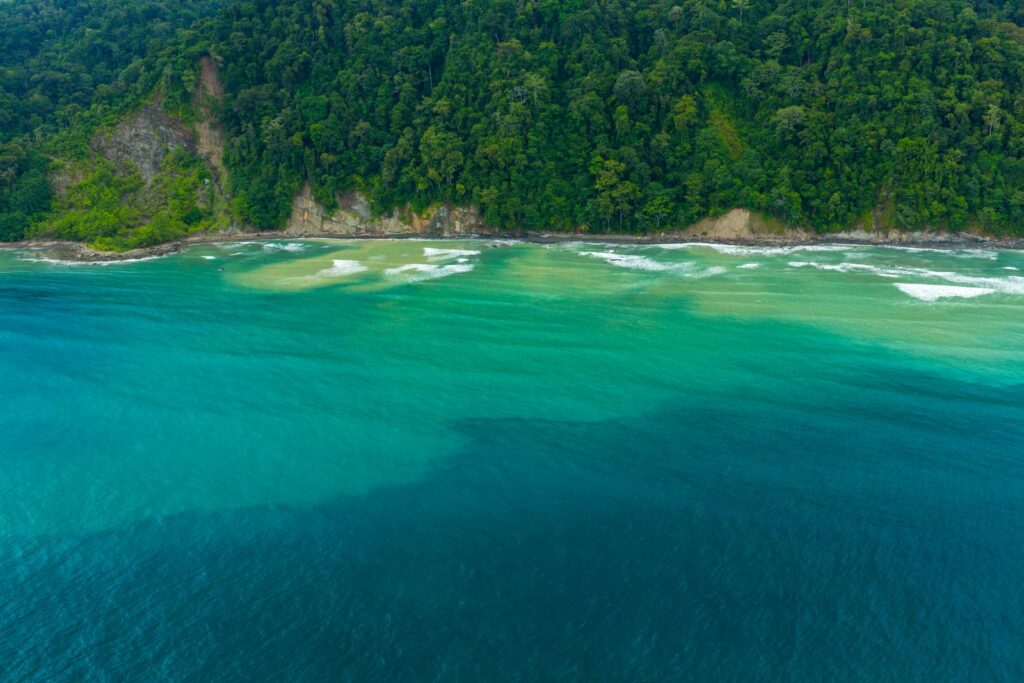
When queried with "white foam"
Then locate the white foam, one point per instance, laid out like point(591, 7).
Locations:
point(936, 292)
point(209, 258)
point(1012, 284)
point(707, 272)
point(232, 244)
point(634, 261)
point(751, 250)
point(824, 247)
point(957, 253)
point(749, 266)
point(418, 272)
point(341, 268)
point(576, 245)
point(976, 253)
point(916, 250)
point(845, 267)
point(434, 254)
point(110, 262)
point(686, 269)
point(284, 246)
point(1010, 268)
point(679, 245)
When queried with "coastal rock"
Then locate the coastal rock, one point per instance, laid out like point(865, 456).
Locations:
point(354, 217)
point(906, 236)
point(742, 224)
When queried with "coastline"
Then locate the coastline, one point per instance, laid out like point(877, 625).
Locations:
point(80, 252)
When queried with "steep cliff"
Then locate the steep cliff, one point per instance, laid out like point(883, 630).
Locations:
point(142, 142)
point(149, 178)
point(209, 134)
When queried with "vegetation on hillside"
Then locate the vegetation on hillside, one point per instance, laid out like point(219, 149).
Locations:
point(68, 69)
point(622, 115)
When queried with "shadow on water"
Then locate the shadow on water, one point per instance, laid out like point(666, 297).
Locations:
point(701, 542)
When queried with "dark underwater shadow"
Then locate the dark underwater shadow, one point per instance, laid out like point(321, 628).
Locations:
point(703, 542)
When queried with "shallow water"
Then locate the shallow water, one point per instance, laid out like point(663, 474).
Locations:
point(411, 460)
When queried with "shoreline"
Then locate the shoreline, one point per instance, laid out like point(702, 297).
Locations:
point(80, 252)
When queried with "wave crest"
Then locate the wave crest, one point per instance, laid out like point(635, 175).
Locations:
point(936, 292)
point(341, 268)
point(419, 272)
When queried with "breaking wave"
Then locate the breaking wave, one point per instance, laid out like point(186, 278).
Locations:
point(636, 262)
point(341, 268)
point(753, 250)
point(284, 246)
point(936, 292)
point(687, 269)
point(418, 272)
point(70, 262)
point(1011, 284)
point(434, 254)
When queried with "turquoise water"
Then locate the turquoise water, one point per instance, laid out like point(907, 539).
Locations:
point(484, 461)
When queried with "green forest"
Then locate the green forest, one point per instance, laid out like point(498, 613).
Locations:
point(621, 115)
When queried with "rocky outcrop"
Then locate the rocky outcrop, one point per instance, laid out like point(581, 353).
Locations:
point(143, 141)
point(64, 176)
point(905, 236)
point(209, 135)
point(354, 217)
point(741, 224)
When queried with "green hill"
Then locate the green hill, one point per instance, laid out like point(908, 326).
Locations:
point(549, 114)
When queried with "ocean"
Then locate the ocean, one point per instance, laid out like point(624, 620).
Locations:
point(406, 460)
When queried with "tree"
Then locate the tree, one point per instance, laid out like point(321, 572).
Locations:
point(811, 112)
point(993, 118)
point(616, 196)
point(657, 209)
point(630, 87)
point(441, 155)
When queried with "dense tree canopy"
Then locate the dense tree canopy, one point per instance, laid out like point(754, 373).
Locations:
point(619, 115)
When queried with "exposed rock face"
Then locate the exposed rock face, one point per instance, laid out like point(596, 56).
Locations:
point(741, 224)
point(65, 177)
point(905, 236)
point(354, 217)
point(143, 140)
point(209, 136)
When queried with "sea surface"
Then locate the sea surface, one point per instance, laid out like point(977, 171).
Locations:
point(491, 461)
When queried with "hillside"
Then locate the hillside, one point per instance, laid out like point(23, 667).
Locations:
point(621, 116)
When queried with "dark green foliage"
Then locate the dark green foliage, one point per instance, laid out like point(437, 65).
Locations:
point(621, 115)
point(632, 114)
point(24, 190)
point(67, 66)
point(59, 57)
